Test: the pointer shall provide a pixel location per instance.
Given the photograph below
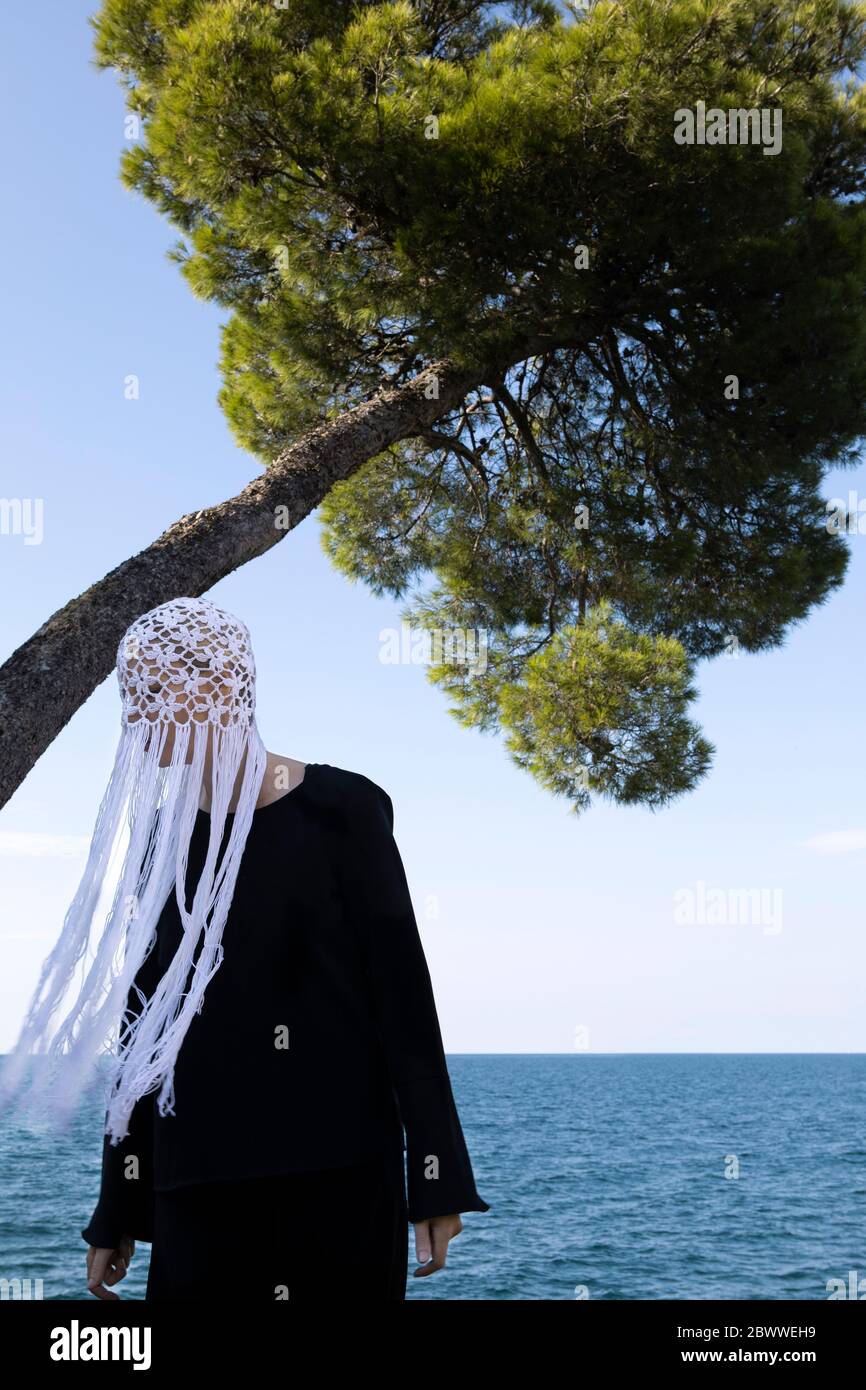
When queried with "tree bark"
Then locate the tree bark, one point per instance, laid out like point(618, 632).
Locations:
point(51, 674)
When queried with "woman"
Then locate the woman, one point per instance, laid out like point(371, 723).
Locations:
point(290, 969)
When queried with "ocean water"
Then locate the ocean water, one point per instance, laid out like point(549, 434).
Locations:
point(609, 1177)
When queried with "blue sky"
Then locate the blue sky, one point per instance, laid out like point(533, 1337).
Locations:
point(543, 932)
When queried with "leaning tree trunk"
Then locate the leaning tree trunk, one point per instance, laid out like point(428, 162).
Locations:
point(46, 680)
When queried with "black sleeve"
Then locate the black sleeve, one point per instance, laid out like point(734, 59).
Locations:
point(439, 1173)
point(126, 1192)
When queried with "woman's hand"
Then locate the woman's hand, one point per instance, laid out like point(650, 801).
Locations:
point(108, 1267)
point(431, 1242)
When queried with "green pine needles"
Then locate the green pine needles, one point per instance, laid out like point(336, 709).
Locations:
point(369, 188)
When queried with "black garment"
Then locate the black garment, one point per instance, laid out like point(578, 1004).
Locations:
point(320, 945)
point(347, 1226)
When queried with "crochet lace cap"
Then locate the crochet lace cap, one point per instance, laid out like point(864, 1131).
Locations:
point(187, 660)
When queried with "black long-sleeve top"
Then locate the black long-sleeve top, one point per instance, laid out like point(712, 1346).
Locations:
point(318, 1043)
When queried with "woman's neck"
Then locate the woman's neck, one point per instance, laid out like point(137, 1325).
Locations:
point(282, 775)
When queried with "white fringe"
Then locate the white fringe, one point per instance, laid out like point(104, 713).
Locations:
point(157, 807)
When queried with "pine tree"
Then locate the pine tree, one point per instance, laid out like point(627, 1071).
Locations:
point(666, 341)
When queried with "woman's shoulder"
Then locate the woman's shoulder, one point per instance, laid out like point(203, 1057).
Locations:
point(350, 803)
point(343, 787)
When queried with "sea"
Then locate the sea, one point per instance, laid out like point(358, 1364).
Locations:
point(627, 1176)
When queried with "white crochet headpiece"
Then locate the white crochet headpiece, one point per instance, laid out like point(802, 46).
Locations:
point(187, 679)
